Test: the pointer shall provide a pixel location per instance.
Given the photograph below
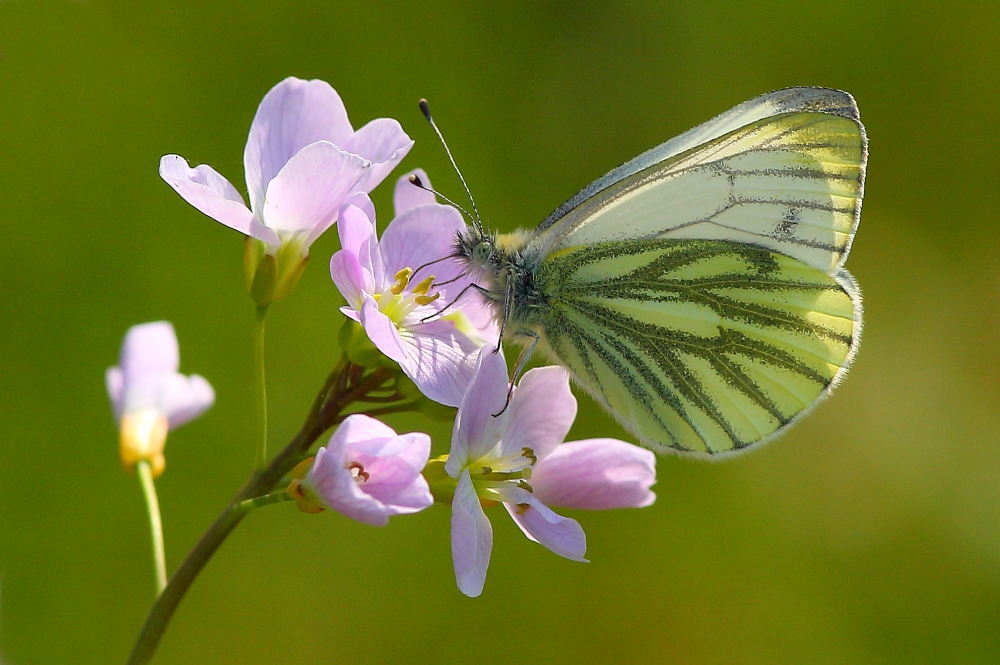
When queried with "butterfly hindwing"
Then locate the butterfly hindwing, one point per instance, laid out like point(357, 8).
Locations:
point(705, 346)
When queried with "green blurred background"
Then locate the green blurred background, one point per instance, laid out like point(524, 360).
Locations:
point(868, 534)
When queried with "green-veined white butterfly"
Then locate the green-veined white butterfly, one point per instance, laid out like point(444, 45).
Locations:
point(697, 292)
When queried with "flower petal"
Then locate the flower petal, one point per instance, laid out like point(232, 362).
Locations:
point(209, 192)
point(471, 538)
point(114, 381)
point(292, 115)
point(562, 535)
point(382, 331)
point(149, 349)
point(476, 431)
point(310, 188)
point(382, 142)
point(541, 412)
point(351, 279)
point(596, 474)
point(394, 467)
point(407, 196)
point(358, 235)
point(440, 360)
point(422, 235)
point(335, 486)
point(185, 398)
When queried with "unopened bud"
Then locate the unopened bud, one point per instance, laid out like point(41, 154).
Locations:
point(271, 275)
point(141, 437)
point(356, 345)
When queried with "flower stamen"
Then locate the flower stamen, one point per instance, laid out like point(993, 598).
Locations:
point(358, 471)
point(402, 279)
point(529, 453)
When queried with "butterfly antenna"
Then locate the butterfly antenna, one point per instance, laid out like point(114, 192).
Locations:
point(426, 110)
point(417, 182)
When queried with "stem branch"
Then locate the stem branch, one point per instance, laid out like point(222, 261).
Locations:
point(327, 411)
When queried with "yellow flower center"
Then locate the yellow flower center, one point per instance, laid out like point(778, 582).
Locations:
point(397, 302)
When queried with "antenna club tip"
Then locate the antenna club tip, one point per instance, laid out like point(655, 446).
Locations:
point(425, 108)
point(415, 180)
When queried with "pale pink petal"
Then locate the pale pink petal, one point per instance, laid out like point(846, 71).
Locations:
point(382, 331)
point(358, 429)
point(185, 398)
point(333, 482)
point(114, 381)
point(471, 538)
point(351, 279)
point(539, 523)
point(406, 195)
point(149, 349)
point(213, 195)
point(358, 212)
point(596, 474)
point(382, 142)
point(292, 115)
point(422, 235)
point(476, 430)
point(356, 227)
point(541, 412)
point(394, 467)
point(310, 188)
point(440, 360)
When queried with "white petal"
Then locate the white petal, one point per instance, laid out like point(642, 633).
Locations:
point(471, 538)
point(539, 523)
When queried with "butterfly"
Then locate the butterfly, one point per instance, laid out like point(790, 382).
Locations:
point(698, 292)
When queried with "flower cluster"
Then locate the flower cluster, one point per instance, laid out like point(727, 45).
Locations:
point(306, 169)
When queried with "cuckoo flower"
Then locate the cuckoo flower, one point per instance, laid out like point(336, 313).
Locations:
point(400, 309)
point(149, 397)
point(518, 459)
point(367, 472)
point(302, 161)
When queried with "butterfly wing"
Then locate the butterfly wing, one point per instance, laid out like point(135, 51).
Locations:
point(703, 346)
point(698, 291)
point(784, 171)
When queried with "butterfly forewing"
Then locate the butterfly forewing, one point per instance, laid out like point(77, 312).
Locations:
point(698, 345)
point(792, 183)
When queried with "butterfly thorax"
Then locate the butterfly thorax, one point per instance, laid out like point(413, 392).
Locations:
point(501, 265)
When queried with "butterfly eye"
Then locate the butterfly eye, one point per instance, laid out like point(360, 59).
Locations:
point(481, 253)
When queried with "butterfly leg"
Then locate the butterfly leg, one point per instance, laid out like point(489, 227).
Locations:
point(522, 360)
point(506, 313)
point(455, 300)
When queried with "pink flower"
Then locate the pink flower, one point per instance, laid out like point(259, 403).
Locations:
point(368, 473)
point(398, 307)
point(519, 459)
point(302, 160)
point(149, 397)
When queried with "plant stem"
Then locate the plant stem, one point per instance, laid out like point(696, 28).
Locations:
point(260, 458)
point(327, 411)
point(155, 525)
point(277, 496)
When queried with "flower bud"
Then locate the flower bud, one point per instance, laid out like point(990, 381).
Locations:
point(356, 345)
point(442, 485)
point(271, 277)
point(142, 435)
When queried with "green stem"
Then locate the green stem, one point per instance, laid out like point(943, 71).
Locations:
point(276, 496)
point(155, 525)
point(260, 458)
point(327, 411)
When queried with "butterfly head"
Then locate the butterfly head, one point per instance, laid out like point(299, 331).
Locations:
point(476, 247)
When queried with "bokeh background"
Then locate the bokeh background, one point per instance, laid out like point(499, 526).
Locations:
point(868, 534)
